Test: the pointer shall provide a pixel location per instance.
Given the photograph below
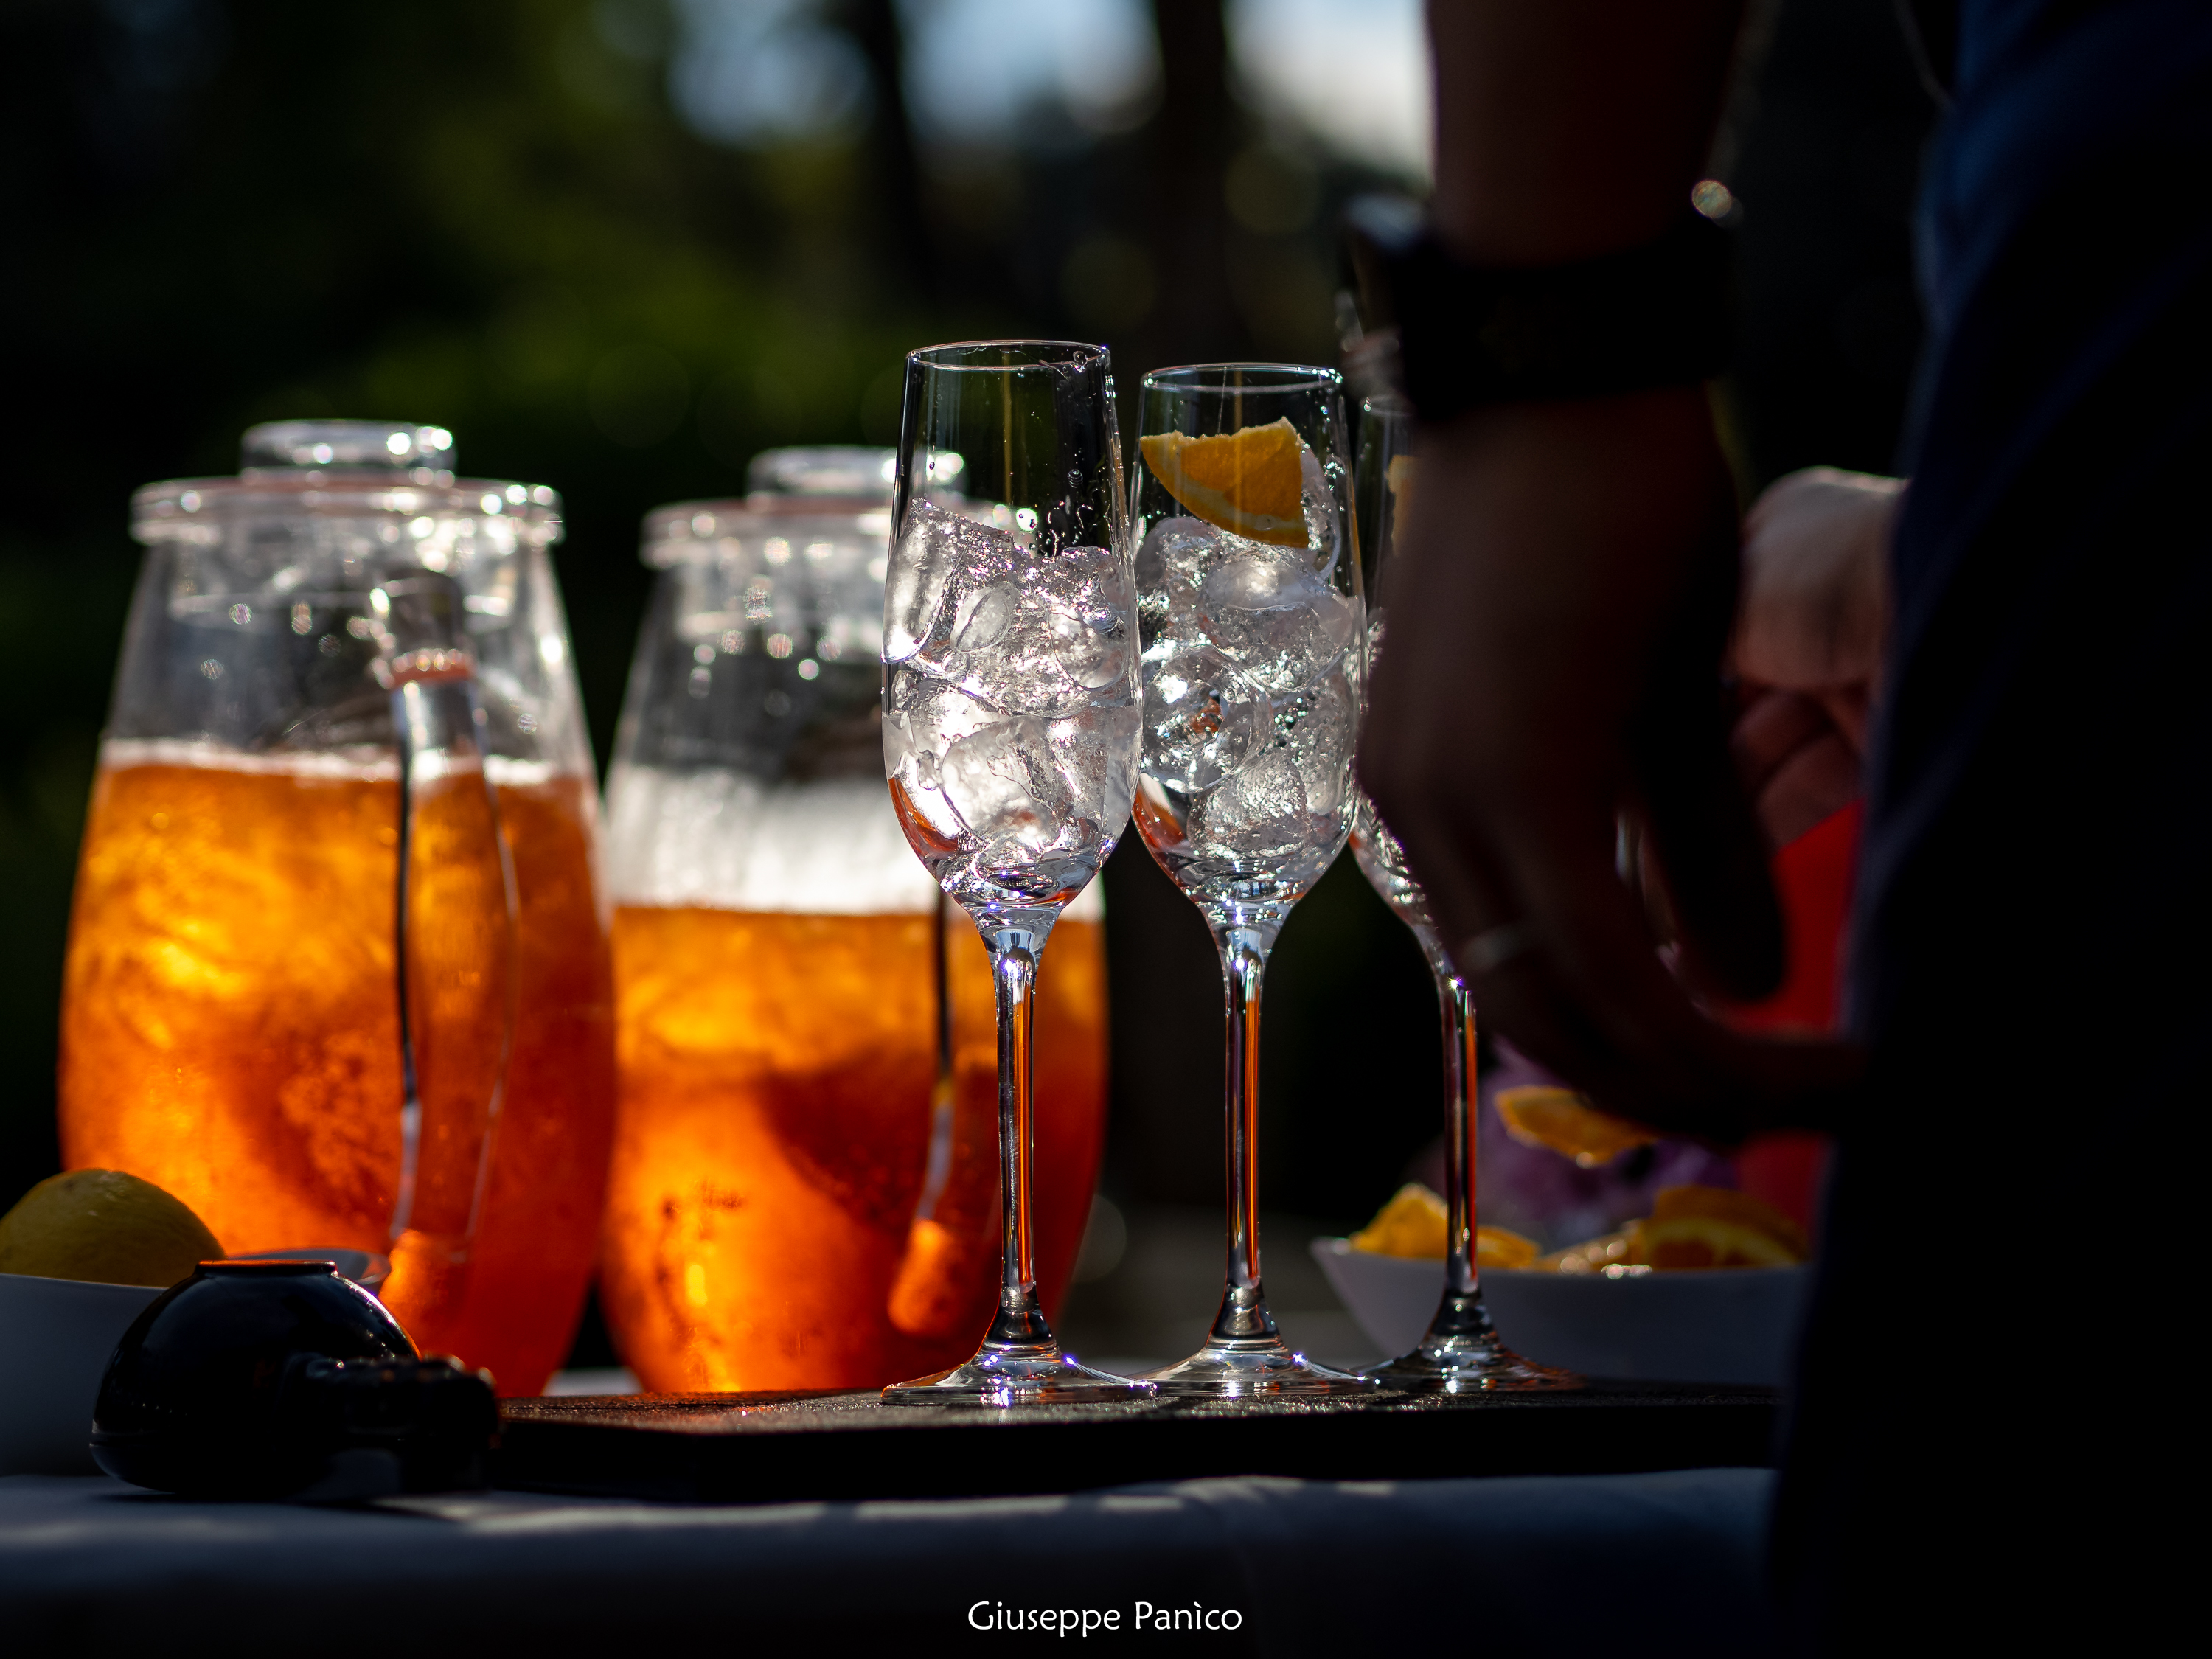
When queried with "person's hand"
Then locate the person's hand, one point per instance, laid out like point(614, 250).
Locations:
point(1809, 640)
point(1564, 593)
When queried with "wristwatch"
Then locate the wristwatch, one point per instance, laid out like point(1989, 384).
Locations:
point(1657, 315)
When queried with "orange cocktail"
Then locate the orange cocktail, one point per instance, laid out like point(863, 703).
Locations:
point(230, 1028)
point(776, 1140)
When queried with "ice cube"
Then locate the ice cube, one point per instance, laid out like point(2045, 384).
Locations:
point(1317, 725)
point(984, 614)
point(1172, 562)
point(925, 718)
point(1177, 551)
point(1318, 501)
point(1067, 639)
point(942, 558)
point(1003, 783)
point(1269, 612)
point(1258, 812)
point(1095, 751)
point(930, 714)
point(1202, 719)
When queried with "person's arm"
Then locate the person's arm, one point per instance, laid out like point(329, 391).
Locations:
point(1573, 570)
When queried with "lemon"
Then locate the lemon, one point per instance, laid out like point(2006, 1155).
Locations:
point(106, 1226)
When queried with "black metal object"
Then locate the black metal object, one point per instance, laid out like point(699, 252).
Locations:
point(763, 1447)
point(274, 1379)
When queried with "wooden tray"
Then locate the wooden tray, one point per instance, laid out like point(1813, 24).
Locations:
point(764, 1448)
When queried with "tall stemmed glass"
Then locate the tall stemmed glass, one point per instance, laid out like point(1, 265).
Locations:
point(1010, 726)
point(1249, 600)
point(1462, 1352)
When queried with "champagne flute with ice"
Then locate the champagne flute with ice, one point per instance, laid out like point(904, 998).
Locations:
point(1010, 727)
point(1460, 1353)
point(1254, 633)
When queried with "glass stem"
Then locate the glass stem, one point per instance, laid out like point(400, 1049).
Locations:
point(1020, 1322)
point(1244, 1316)
point(1461, 1311)
point(1457, 1008)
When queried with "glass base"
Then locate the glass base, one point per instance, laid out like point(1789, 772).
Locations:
point(1261, 1369)
point(1462, 1354)
point(1017, 1376)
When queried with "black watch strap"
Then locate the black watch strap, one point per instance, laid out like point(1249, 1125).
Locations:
point(1657, 315)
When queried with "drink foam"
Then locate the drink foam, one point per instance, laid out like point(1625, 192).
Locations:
point(359, 762)
point(720, 839)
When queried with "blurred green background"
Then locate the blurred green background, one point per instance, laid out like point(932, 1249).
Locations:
point(619, 246)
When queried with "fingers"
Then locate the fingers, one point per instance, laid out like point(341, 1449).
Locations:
point(1772, 726)
point(1814, 606)
point(1592, 1001)
point(1564, 594)
point(1794, 764)
point(1815, 783)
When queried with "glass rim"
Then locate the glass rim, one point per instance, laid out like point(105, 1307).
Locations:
point(185, 501)
point(1068, 353)
point(1213, 377)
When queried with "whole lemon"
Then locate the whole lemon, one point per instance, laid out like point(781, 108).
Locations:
point(106, 1226)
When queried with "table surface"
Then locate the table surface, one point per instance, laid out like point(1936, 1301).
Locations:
point(851, 1445)
point(1652, 1564)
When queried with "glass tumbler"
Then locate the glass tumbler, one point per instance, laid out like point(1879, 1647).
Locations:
point(336, 975)
point(805, 1189)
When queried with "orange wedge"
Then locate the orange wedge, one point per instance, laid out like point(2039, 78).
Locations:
point(1249, 481)
point(1565, 1123)
point(1416, 1224)
point(1693, 1227)
point(1501, 1246)
point(1412, 1224)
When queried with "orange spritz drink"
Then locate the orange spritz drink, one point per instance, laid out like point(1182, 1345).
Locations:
point(230, 1027)
point(776, 1143)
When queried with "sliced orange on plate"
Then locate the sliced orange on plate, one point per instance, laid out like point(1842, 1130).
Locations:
point(1501, 1246)
point(1249, 481)
point(1693, 1227)
point(1563, 1121)
point(1415, 1224)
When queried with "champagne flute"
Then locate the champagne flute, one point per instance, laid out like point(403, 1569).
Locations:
point(1010, 727)
point(1253, 634)
point(1462, 1352)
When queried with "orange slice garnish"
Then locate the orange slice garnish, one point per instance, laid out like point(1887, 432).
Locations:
point(1563, 1121)
point(1249, 481)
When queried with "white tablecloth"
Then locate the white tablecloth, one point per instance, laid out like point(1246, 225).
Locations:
point(1643, 1565)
